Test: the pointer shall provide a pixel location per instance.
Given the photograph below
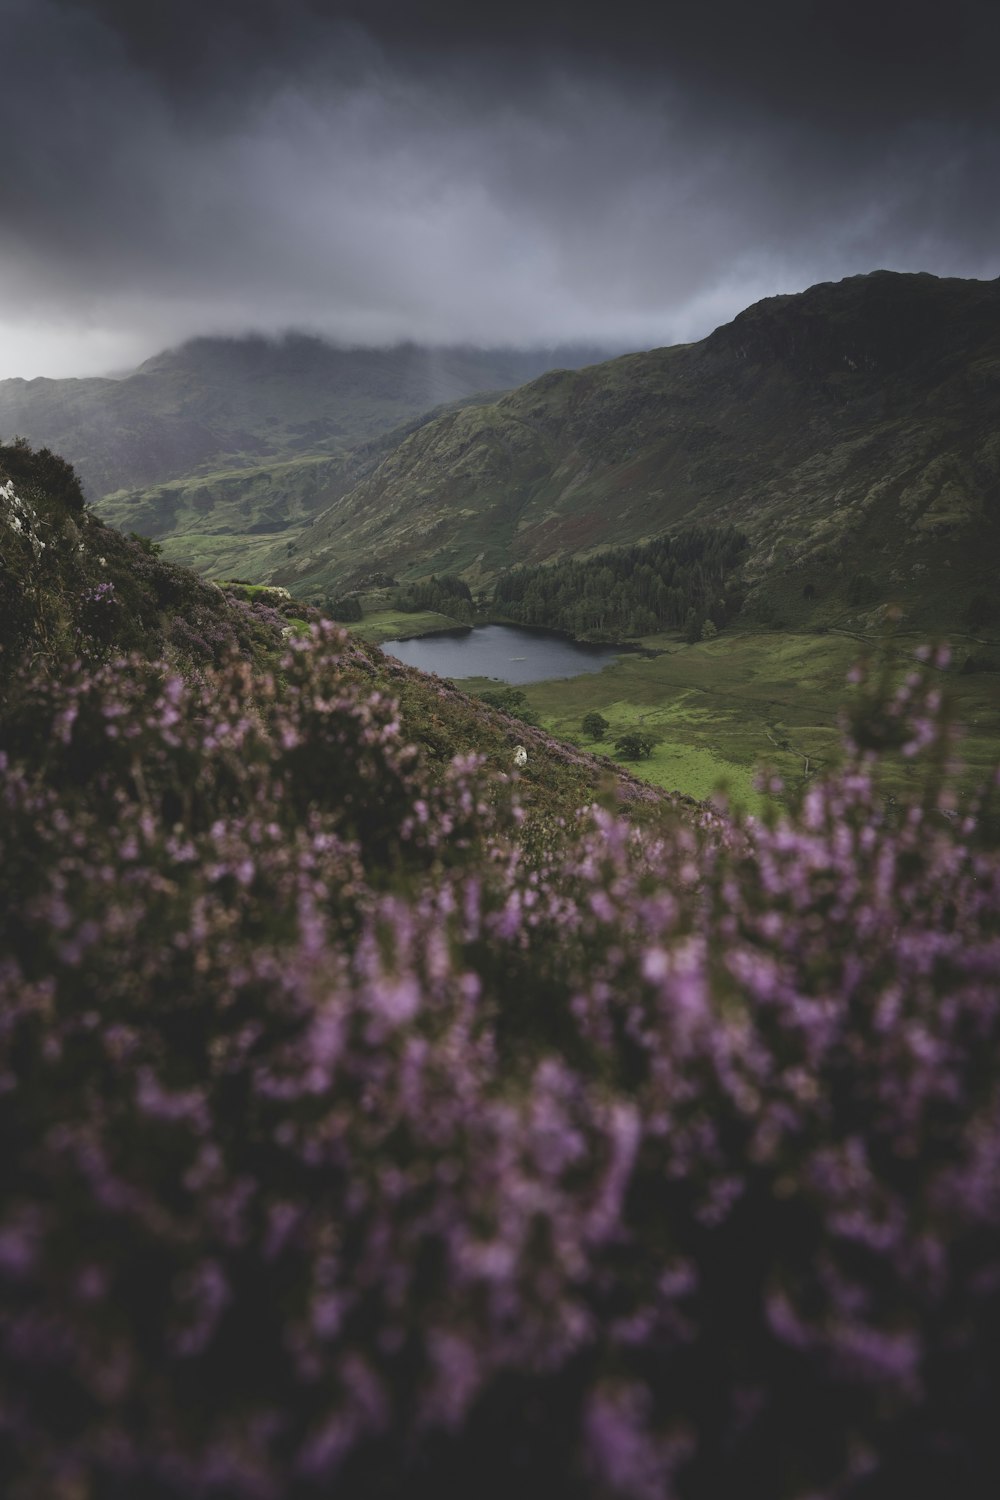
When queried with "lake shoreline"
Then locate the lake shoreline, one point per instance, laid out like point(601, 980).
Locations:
point(502, 652)
point(459, 628)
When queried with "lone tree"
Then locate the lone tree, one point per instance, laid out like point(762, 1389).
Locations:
point(635, 745)
point(596, 725)
point(693, 626)
point(510, 700)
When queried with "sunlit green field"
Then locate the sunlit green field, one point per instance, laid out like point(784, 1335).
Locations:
point(723, 711)
point(396, 624)
point(219, 554)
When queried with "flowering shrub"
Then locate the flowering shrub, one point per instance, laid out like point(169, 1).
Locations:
point(353, 1147)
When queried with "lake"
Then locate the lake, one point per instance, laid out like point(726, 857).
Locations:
point(507, 652)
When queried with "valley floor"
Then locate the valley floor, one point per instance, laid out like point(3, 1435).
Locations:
point(723, 711)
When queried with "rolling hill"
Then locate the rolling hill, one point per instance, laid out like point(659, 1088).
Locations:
point(218, 404)
point(850, 430)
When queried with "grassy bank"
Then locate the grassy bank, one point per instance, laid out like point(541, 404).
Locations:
point(388, 624)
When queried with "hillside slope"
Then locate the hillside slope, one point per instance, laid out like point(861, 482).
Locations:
point(224, 521)
point(366, 1135)
point(75, 595)
point(215, 403)
point(850, 430)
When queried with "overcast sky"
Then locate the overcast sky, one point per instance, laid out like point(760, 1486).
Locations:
point(408, 169)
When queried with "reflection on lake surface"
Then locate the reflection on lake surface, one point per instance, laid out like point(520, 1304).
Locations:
point(507, 652)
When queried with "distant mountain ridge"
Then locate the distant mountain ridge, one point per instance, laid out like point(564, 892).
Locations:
point(216, 403)
point(852, 430)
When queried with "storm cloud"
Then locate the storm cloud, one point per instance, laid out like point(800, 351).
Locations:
point(386, 171)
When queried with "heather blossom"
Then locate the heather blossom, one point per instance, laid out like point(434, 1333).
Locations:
point(357, 1145)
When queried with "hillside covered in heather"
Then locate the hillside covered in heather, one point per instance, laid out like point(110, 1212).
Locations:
point(381, 1120)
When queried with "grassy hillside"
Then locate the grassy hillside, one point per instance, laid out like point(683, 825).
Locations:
point(221, 521)
point(222, 403)
point(850, 431)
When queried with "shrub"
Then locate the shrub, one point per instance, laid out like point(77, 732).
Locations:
point(635, 745)
point(595, 725)
point(44, 470)
point(861, 589)
point(510, 700)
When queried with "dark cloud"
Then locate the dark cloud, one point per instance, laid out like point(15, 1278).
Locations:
point(388, 170)
point(878, 58)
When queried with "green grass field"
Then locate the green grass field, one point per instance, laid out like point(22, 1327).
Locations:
point(387, 624)
point(218, 555)
point(723, 711)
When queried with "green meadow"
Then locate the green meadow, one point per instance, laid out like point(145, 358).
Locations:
point(719, 712)
point(383, 623)
point(217, 554)
point(724, 711)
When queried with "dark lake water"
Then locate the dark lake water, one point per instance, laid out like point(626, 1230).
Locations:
point(507, 652)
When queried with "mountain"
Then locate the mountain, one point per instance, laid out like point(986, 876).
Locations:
point(219, 403)
point(223, 521)
point(850, 430)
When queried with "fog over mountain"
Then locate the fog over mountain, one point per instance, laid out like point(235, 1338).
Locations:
point(386, 171)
